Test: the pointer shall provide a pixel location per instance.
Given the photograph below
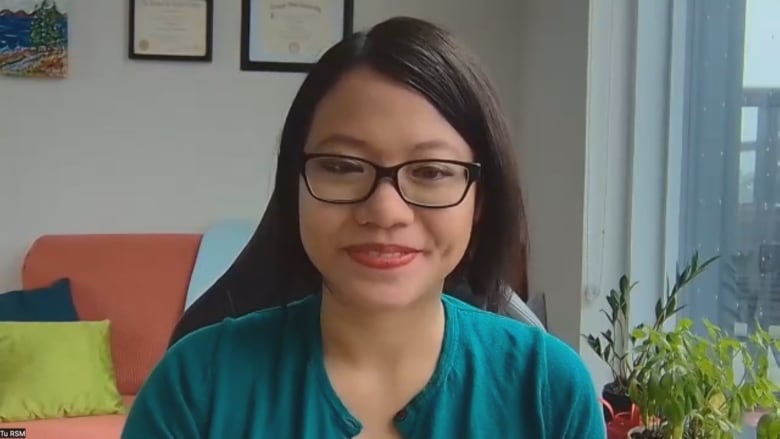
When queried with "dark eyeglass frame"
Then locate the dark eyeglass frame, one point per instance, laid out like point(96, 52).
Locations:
point(391, 172)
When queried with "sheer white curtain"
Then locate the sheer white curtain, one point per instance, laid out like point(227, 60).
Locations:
point(730, 191)
point(730, 194)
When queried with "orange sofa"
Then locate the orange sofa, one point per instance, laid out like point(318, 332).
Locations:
point(139, 283)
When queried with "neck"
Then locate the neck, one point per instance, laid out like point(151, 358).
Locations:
point(385, 337)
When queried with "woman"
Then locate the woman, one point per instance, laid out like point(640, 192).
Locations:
point(395, 175)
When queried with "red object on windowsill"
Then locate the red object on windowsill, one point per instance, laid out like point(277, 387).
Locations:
point(621, 422)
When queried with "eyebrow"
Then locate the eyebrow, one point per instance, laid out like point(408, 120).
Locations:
point(354, 142)
point(341, 140)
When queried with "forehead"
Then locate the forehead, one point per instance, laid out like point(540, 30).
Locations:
point(368, 114)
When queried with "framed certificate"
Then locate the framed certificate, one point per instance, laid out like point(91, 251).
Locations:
point(179, 30)
point(290, 36)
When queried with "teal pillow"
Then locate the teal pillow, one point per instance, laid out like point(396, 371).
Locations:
point(56, 370)
point(53, 303)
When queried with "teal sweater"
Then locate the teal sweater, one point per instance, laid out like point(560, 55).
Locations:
point(263, 376)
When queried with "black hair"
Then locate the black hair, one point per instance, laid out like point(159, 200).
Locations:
point(273, 269)
point(428, 59)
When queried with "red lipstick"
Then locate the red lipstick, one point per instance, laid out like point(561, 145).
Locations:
point(382, 256)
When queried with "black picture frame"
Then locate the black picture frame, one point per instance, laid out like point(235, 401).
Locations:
point(247, 64)
point(207, 57)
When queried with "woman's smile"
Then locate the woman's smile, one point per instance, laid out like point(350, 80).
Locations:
point(382, 256)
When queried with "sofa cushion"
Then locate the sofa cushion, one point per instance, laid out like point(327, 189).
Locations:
point(52, 303)
point(137, 281)
point(85, 427)
point(56, 369)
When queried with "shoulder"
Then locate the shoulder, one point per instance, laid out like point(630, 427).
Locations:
point(508, 347)
point(261, 323)
point(179, 395)
point(572, 407)
point(251, 337)
point(526, 357)
point(529, 343)
point(485, 328)
point(523, 339)
point(262, 328)
point(272, 322)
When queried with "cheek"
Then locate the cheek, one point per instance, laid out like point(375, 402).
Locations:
point(311, 230)
point(451, 229)
point(318, 224)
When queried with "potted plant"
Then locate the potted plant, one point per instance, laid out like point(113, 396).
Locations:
point(615, 345)
point(689, 386)
point(769, 426)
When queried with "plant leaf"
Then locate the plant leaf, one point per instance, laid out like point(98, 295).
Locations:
point(639, 333)
point(609, 318)
point(670, 306)
point(624, 284)
point(708, 262)
point(608, 336)
point(612, 299)
point(685, 276)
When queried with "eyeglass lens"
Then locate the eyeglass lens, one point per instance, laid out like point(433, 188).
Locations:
point(430, 183)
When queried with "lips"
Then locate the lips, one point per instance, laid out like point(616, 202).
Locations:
point(382, 256)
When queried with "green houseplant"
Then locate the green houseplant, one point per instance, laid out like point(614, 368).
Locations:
point(769, 426)
point(616, 346)
point(690, 386)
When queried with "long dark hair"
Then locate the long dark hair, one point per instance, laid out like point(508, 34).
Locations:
point(273, 268)
point(429, 60)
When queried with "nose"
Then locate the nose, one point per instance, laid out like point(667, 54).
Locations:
point(384, 208)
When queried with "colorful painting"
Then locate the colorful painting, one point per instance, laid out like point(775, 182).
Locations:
point(33, 38)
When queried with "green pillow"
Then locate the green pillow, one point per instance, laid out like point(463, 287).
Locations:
point(55, 370)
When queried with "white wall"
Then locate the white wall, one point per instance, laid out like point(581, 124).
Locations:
point(123, 146)
point(130, 146)
point(551, 95)
point(608, 155)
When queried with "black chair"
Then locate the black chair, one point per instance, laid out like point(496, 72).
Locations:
point(251, 283)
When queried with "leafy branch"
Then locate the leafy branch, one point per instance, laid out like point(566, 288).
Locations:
point(616, 345)
point(688, 387)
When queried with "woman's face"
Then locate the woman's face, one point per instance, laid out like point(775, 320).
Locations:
point(383, 252)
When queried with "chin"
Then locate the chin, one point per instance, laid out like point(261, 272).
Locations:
point(370, 295)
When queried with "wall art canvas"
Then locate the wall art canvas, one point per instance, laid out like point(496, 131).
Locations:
point(34, 38)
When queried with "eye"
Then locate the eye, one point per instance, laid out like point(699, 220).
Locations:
point(336, 165)
point(431, 171)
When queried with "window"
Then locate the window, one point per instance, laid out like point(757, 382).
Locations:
point(730, 183)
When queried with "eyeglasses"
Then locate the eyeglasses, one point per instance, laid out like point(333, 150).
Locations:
point(341, 179)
